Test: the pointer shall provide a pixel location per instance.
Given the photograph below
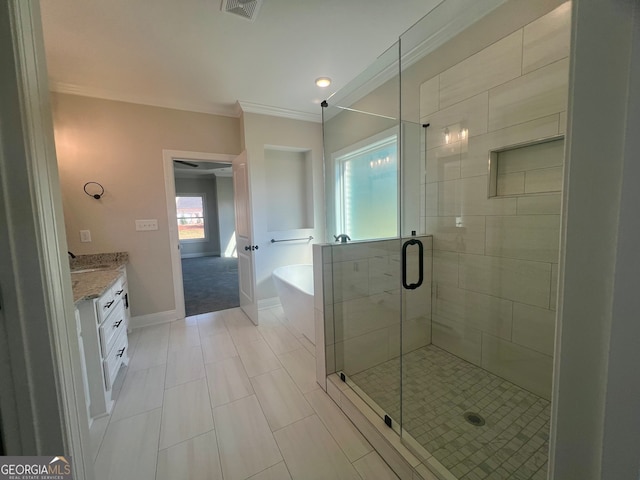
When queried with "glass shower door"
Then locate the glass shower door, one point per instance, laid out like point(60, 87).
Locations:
point(475, 400)
point(362, 144)
point(381, 275)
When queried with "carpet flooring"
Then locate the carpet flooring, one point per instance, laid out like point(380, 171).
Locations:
point(210, 284)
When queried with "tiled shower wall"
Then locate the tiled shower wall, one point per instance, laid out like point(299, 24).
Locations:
point(495, 259)
point(360, 302)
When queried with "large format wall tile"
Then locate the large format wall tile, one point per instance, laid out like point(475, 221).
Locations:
point(362, 352)
point(483, 312)
point(470, 196)
point(538, 94)
point(430, 96)
point(510, 184)
point(457, 338)
point(547, 39)
point(492, 66)
point(534, 327)
point(531, 157)
point(524, 367)
point(475, 157)
point(430, 200)
point(416, 333)
point(540, 204)
point(469, 115)
point(527, 237)
point(519, 280)
point(543, 180)
point(350, 279)
point(457, 234)
point(445, 268)
point(443, 163)
point(366, 314)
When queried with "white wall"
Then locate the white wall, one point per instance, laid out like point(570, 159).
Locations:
point(289, 190)
point(260, 132)
point(120, 145)
point(595, 423)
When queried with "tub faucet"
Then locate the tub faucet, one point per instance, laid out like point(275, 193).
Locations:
point(342, 238)
point(71, 255)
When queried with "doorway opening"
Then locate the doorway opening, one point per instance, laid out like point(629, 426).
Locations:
point(200, 206)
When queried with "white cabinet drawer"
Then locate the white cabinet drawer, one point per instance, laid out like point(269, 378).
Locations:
point(115, 358)
point(111, 327)
point(109, 299)
point(105, 305)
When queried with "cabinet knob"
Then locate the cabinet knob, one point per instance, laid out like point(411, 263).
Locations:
point(108, 305)
point(119, 292)
point(121, 352)
point(117, 324)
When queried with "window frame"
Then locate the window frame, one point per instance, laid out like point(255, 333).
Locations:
point(339, 160)
point(205, 222)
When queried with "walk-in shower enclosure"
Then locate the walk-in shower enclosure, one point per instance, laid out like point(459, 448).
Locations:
point(443, 164)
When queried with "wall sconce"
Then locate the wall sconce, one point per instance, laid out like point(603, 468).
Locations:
point(92, 186)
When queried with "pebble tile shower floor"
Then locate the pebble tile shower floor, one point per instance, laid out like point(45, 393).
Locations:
point(439, 388)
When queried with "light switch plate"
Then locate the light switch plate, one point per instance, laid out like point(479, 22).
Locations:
point(85, 236)
point(149, 224)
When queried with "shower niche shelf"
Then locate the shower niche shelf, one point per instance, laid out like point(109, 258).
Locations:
point(527, 169)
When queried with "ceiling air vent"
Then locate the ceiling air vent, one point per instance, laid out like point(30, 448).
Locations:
point(247, 9)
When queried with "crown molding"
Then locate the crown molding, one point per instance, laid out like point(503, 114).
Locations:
point(71, 89)
point(249, 107)
point(439, 26)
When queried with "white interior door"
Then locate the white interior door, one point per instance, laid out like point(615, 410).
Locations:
point(244, 236)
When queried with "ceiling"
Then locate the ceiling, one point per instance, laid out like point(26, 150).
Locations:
point(188, 168)
point(188, 54)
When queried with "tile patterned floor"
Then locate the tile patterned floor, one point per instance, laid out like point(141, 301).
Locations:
point(215, 397)
point(439, 389)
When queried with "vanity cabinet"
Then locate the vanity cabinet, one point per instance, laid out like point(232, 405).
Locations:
point(104, 322)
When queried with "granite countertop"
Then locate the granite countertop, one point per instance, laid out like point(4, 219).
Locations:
point(92, 275)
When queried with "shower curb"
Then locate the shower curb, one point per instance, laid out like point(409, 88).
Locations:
point(383, 439)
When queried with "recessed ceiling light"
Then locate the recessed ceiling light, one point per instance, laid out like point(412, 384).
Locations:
point(323, 82)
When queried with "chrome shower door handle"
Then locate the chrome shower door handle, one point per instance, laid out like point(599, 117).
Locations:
point(412, 286)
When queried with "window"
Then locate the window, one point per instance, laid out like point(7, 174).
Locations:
point(191, 217)
point(367, 189)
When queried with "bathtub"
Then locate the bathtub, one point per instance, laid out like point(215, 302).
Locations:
point(294, 284)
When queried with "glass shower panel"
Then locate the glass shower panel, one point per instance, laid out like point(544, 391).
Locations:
point(362, 141)
point(490, 97)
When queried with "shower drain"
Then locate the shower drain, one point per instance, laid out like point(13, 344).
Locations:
point(474, 419)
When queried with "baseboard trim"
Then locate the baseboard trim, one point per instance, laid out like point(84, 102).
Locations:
point(203, 254)
point(153, 319)
point(268, 303)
